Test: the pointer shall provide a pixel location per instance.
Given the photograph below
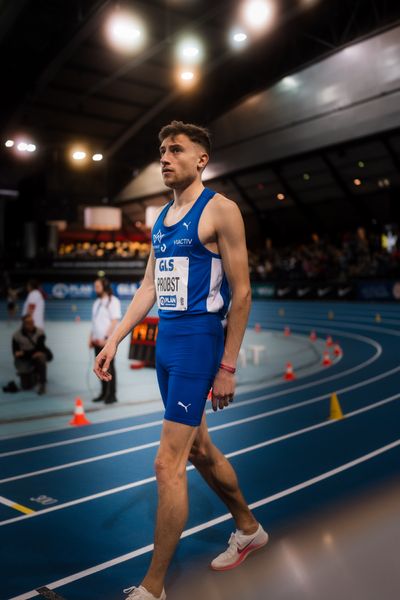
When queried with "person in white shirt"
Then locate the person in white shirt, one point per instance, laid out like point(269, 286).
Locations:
point(106, 314)
point(34, 304)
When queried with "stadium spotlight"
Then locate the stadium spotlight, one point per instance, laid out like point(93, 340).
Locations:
point(280, 196)
point(97, 157)
point(22, 146)
point(257, 14)
point(79, 155)
point(238, 38)
point(357, 182)
point(125, 31)
point(187, 75)
point(189, 51)
point(290, 83)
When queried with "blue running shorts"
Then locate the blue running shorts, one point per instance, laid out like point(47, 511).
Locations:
point(189, 350)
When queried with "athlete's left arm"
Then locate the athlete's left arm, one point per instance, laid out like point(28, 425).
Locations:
point(231, 240)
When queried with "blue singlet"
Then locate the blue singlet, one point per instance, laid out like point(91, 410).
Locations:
point(193, 297)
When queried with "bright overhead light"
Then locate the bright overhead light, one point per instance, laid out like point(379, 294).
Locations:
point(290, 82)
point(357, 182)
point(280, 196)
point(187, 75)
point(384, 182)
point(79, 155)
point(97, 157)
point(125, 31)
point(22, 145)
point(239, 37)
point(257, 13)
point(189, 51)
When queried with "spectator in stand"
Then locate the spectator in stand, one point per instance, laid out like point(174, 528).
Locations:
point(106, 314)
point(12, 297)
point(34, 304)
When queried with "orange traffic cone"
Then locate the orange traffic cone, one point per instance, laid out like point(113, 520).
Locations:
point(326, 361)
point(337, 351)
point(313, 336)
point(257, 327)
point(289, 374)
point(79, 417)
point(329, 341)
point(286, 331)
point(77, 319)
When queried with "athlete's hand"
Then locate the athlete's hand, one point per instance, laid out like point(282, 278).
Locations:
point(223, 389)
point(103, 360)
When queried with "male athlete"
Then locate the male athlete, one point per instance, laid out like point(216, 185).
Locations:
point(197, 265)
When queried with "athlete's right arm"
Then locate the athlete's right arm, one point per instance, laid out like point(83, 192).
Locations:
point(141, 303)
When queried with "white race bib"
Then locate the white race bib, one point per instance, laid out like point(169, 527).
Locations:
point(171, 281)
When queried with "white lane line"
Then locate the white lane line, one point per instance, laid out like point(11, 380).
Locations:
point(141, 482)
point(333, 324)
point(84, 461)
point(84, 438)
point(226, 425)
point(347, 317)
point(241, 404)
point(206, 525)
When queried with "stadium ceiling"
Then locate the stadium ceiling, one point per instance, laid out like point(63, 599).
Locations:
point(63, 83)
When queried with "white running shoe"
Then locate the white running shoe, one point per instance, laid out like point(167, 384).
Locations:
point(240, 546)
point(140, 593)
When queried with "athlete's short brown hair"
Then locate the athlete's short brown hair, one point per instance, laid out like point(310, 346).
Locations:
point(196, 133)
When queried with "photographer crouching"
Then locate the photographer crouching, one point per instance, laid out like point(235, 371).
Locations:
point(31, 355)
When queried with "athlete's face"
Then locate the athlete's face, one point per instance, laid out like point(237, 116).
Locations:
point(182, 161)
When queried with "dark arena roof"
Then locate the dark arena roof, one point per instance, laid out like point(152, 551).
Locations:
point(63, 84)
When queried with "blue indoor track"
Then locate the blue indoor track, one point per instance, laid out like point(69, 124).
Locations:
point(94, 537)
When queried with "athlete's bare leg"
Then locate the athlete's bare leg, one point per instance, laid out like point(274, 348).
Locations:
point(221, 477)
point(170, 466)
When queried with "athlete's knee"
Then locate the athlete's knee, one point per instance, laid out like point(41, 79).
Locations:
point(167, 469)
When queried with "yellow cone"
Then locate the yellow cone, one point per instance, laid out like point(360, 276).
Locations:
point(378, 318)
point(335, 410)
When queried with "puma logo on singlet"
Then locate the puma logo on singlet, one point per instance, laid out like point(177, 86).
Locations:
point(186, 224)
point(183, 406)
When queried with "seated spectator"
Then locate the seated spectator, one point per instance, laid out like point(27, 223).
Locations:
point(31, 355)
